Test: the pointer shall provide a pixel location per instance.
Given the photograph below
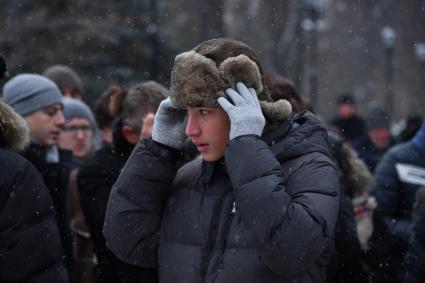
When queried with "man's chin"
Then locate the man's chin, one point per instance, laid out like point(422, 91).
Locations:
point(49, 142)
point(210, 157)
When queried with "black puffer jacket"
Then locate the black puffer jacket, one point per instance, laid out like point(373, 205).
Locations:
point(264, 213)
point(30, 244)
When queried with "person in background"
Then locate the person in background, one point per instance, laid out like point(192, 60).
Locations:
point(347, 264)
point(77, 136)
point(106, 110)
point(99, 172)
point(251, 208)
point(397, 178)
point(27, 213)
point(66, 79)
point(39, 101)
point(347, 124)
point(282, 88)
point(372, 145)
point(30, 246)
point(77, 133)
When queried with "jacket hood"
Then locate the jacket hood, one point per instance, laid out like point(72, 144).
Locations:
point(301, 133)
point(14, 132)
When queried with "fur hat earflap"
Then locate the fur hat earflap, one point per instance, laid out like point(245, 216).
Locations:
point(242, 69)
point(195, 81)
point(14, 132)
point(277, 110)
point(202, 75)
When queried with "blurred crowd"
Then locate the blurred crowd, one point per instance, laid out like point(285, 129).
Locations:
point(59, 160)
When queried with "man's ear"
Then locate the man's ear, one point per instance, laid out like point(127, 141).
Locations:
point(130, 135)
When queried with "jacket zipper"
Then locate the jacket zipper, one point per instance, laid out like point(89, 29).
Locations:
point(212, 236)
point(226, 234)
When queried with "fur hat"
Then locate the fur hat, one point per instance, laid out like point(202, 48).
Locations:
point(202, 75)
point(14, 132)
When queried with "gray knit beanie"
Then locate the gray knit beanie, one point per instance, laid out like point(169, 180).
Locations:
point(73, 108)
point(28, 93)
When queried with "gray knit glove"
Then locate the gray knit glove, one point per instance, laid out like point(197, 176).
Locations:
point(246, 117)
point(169, 125)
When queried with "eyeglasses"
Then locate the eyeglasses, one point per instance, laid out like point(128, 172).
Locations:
point(87, 130)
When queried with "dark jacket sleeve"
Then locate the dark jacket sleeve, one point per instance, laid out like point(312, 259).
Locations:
point(387, 191)
point(294, 229)
point(133, 214)
point(29, 235)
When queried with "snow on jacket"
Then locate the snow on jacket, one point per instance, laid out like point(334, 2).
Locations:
point(266, 212)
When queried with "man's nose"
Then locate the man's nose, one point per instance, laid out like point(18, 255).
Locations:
point(60, 119)
point(192, 127)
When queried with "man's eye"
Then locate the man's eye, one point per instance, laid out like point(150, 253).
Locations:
point(51, 112)
point(204, 111)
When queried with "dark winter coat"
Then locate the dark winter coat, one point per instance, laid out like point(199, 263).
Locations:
point(266, 212)
point(56, 178)
point(415, 260)
point(95, 180)
point(30, 244)
point(397, 178)
point(350, 128)
point(346, 264)
point(394, 193)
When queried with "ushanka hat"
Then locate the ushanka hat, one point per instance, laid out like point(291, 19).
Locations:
point(202, 75)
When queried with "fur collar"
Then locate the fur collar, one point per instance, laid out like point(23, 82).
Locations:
point(14, 132)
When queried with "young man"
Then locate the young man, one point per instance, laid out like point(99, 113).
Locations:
point(259, 206)
point(31, 249)
point(99, 172)
point(77, 134)
point(39, 101)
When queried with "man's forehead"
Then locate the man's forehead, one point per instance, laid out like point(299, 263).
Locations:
point(78, 121)
point(55, 106)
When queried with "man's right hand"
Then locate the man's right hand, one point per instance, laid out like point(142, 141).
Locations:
point(169, 125)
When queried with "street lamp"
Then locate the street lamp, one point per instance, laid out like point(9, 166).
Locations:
point(311, 24)
point(152, 31)
point(388, 39)
point(420, 54)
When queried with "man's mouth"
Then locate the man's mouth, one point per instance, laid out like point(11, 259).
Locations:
point(201, 147)
point(55, 134)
